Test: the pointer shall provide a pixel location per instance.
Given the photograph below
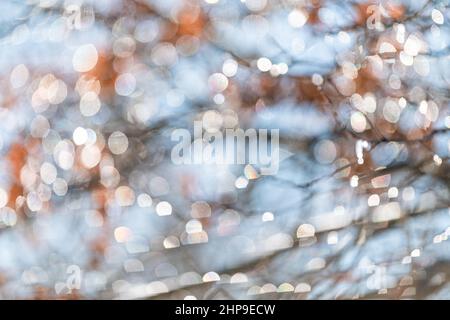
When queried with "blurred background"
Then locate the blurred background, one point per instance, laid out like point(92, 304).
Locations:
point(92, 207)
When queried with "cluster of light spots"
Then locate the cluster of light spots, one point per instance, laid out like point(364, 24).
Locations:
point(267, 216)
point(366, 103)
point(429, 109)
point(411, 48)
point(86, 150)
point(413, 45)
point(297, 18)
point(84, 136)
point(279, 69)
point(85, 58)
point(51, 90)
point(164, 208)
point(86, 83)
point(79, 136)
point(64, 154)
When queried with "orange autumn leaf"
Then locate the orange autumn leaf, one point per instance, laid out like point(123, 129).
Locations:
point(17, 157)
point(191, 22)
point(104, 72)
point(309, 92)
point(395, 11)
point(370, 9)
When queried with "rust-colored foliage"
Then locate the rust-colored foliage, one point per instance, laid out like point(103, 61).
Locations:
point(17, 157)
